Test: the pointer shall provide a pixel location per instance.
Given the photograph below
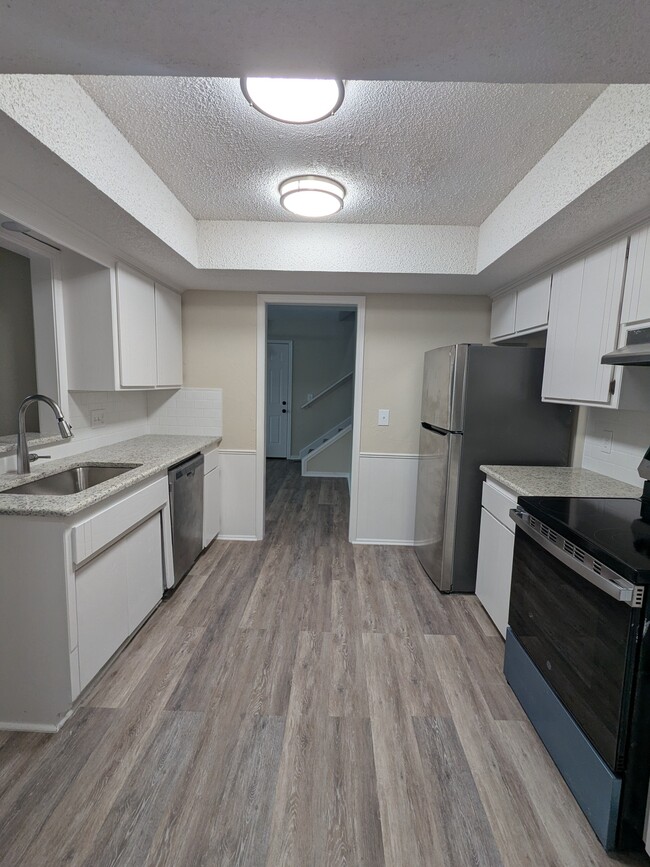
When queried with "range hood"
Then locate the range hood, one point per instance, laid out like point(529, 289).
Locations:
point(636, 353)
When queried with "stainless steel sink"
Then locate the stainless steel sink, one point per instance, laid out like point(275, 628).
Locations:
point(71, 481)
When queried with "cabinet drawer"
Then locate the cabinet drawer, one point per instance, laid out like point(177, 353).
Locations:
point(103, 528)
point(498, 503)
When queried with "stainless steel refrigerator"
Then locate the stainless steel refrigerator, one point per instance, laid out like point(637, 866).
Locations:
point(480, 405)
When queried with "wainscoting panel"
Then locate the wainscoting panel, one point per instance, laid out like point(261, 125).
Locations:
point(386, 511)
point(237, 494)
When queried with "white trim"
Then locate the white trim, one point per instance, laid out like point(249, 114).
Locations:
point(358, 301)
point(233, 538)
point(339, 430)
point(408, 543)
point(46, 728)
point(392, 455)
point(326, 474)
point(289, 343)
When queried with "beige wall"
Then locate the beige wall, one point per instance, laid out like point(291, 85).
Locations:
point(219, 349)
point(17, 357)
point(399, 330)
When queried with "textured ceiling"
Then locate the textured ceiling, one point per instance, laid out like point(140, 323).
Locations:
point(407, 152)
point(410, 40)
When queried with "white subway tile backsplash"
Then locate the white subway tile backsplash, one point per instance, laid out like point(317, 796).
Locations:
point(630, 438)
point(195, 411)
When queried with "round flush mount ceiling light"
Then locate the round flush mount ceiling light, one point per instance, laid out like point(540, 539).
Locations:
point(311, 196)
point(294, 100)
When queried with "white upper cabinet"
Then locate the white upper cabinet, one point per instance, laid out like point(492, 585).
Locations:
point(123, 331)
point(636, 297)
point(169, 342)
point(583, 326)
point(532, 306)
point(503, 316)
point(136, 308)
point(522, 311)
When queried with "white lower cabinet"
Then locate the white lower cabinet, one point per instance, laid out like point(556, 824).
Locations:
point(115, 592)
point(495, 553)
point(211, 497)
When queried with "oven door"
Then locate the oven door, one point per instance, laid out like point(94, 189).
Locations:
point(581, 636)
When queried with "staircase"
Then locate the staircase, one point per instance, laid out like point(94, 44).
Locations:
point(320, 445)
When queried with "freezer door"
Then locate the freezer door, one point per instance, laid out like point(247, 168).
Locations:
point(443, 386)
point(435, 512)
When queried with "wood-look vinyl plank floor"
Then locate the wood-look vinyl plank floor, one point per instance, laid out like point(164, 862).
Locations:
point(298, 701)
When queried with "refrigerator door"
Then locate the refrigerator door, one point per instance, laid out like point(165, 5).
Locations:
point(443, 386)
point(437, 495)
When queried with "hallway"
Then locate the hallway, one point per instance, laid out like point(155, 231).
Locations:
point(298, 701)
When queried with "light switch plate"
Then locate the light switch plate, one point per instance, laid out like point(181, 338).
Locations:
point(97, 418)
point(606, 442)
point(383, 417)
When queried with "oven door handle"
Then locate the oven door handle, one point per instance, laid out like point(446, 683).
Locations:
point(608, 581)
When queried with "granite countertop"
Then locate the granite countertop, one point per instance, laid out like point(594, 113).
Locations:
point(8, 444)
point(154, 454)
point(559, 482)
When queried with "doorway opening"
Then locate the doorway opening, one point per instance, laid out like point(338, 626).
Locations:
point(309, 400)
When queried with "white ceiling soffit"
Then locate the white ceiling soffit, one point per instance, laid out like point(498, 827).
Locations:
point(419, 40)
point(406, 152)
point(65, 165)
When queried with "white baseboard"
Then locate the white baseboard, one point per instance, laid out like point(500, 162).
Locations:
point(386, 502)
point(225, 538)
point(318, 474)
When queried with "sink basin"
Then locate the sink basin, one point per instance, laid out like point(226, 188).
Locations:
point(71, 481)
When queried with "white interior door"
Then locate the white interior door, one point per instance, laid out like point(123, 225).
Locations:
point(278, 398)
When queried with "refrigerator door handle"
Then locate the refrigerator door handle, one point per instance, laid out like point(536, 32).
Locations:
point(438, 430)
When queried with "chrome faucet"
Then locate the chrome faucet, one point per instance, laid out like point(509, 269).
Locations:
point(23, 449)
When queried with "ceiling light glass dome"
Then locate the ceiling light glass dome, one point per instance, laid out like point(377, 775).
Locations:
point(312, 196)
point(294, 100)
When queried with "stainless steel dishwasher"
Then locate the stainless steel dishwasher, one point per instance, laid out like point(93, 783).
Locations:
point(186, 503)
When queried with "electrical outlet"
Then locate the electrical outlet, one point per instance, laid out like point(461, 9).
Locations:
point(97, 418)
point(606, 442)
point(310, 396)
point(383, 417)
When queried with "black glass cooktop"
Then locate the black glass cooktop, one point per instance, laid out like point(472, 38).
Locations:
point(615, 531)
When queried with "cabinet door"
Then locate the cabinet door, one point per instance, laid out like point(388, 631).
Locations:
point(136, 321)
point(583, 326)
point(102, 610)
point(169, 340)
point(636, 297)
point(115, 592)
point(503, 316)
point(144, 576)
point(494, 573)
point(532, 305)
point(211, 505)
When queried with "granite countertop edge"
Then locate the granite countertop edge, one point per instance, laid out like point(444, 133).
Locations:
point(559, 482)
point(155, 453)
